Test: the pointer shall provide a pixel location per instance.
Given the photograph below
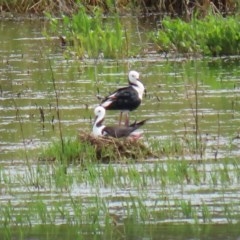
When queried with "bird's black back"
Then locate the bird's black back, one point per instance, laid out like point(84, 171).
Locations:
point(124, 99)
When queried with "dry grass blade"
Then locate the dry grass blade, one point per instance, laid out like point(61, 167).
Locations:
point(159, 6)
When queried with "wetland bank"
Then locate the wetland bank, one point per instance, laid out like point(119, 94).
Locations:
point(189, 191)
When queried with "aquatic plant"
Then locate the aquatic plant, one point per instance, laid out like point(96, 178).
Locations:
point(139, 202)
point(91, 36)
point(74, 151)
point(214, 35)
point(206, 213)
point(186, 208)
point(57, 104)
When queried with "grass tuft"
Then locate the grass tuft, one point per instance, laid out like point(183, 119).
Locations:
point(74, 151)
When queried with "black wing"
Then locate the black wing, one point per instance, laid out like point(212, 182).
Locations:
point(122, 99)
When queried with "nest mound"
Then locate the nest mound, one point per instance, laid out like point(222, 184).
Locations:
point(115, 149)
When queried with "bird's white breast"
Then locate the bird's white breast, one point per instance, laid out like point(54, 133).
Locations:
point(97, 131)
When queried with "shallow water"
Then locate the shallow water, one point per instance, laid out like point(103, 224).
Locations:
point(135, 195)
point(28, 99)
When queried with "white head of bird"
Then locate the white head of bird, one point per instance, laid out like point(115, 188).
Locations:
point(134, 80)
point(99, 112)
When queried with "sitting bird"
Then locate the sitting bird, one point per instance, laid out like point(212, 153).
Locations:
point(127, 98)
point(113, 131)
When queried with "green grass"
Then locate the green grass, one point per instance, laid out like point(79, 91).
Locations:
point(91, 36)
point(74, 151)
point(212, 36)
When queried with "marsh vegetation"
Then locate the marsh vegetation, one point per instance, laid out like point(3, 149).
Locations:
point(91, 36)
point(183, 8)
point(212, 36)
point(54, 186)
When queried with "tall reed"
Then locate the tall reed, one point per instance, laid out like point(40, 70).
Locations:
point(181, 8)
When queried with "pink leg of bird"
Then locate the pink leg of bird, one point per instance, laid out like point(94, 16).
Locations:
point(127, 120)
point(120, 119)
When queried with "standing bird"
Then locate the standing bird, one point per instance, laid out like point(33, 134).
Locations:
point(114, 131)
point(127, 98)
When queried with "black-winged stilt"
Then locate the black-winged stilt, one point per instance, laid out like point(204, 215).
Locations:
point(114, 131)
point(127, 98)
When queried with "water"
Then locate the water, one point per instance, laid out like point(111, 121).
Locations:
point(134, 203)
